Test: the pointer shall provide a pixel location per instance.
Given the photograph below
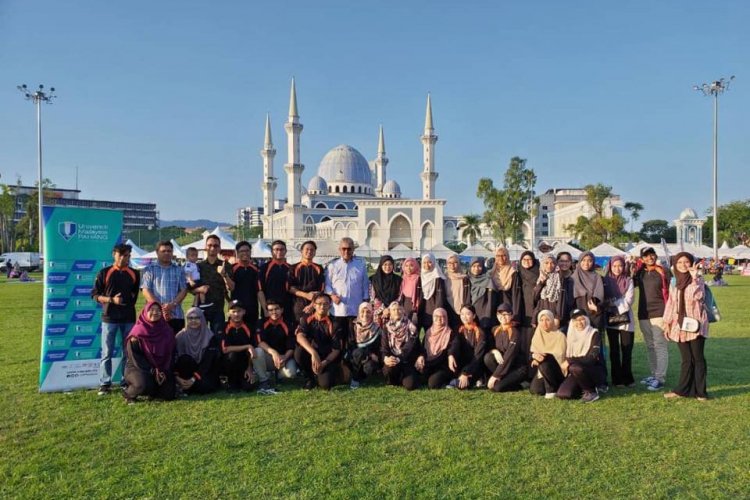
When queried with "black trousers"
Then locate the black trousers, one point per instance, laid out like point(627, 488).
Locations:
point(527, 332)
point(326, 379)
point(693, 369)
point(176, 325)
point(141, 382)
point(511, 381)
point(234, 366)
point(346, 324)
point(216, 321)
point(621, 356)
point(185, 366)
point(437, 373)
point(551, 377)
point(580, 378)
point(362, 365)
point(402, 374)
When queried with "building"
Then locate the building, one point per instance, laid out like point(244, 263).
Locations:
point(253, 216)
point(350, 196)
point(134, 215)
point(689, 227)
point(560, 207)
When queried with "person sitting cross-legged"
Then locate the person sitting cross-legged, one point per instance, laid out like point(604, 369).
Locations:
point(198, 364)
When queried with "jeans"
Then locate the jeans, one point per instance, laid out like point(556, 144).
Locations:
point(657, 346)
point(109, 336)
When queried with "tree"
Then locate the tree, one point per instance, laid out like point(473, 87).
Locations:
point(635, 209)
point(654, 230)
point(27, 229)
point(471, 227)
point(7, 227)
point(734, 224)
point(597, 229)
point(507, 209)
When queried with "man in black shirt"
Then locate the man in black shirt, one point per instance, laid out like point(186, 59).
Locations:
point(246, 277)
point(116, 288)
point(274, 277)
point(306, 278)
point(275, 352)
point(652, 281)
point(217, 275)
point(318, 345)
point(238, 349)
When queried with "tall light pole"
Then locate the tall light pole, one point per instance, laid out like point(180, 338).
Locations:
point(39, 97)
point(714, 89)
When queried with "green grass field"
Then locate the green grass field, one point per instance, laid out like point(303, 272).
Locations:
point(378, 442)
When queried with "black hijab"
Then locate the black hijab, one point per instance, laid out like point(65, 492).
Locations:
point(530, 276)
point(387, 286)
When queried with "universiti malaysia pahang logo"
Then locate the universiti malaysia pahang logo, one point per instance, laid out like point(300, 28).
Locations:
point(67, 229)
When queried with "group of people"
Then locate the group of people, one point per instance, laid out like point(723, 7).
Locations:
point(539, 326)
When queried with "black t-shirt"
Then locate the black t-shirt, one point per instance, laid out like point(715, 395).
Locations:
point(279, 336)
point(306, 278)
point(234, 336)
point(217, 287)
point(109, 282)
point(274, 278)
point(652, 288)
point(323, 334)
point(246, 287)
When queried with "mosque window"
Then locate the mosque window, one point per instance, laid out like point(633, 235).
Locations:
point(360, 189)
point(345, 189)
point(337, 189)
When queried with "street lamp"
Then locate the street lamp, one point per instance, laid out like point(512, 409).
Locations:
point(714, 89)
point(38, 97)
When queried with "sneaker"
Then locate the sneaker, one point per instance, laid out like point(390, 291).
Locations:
point(647, 380)
point(590, 397)
point(453, 384)
point(354, 385)
point(655, 385)
point(130, 401)
point(309, 384)
point(268, 391)
point(525, 384)
point(550, 395)
point(104, 390)
point(602, 388)
point(480, 384)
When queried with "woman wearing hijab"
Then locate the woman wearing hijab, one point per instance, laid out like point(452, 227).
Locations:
point(619, 292)
point(507, 284)
point(430, 290)
point(198, 363)
point(385, 287)
point(466, 357)
point(506, 362)
point(457, 291)
point(686, 322)
point(588, 290)
point(482, 293)
point(150, 347)
point(548, 349)
point(433, 361)
point(399, 348)
point(565, 266)
point(409, 282)
point(529, 276)
point(549, 292)
point(583, 360)
point(364, 354)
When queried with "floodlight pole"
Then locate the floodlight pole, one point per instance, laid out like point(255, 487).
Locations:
point(714, 89)
point(39, 97)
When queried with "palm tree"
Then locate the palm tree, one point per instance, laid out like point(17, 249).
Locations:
point(635, 211)
point(470, 226)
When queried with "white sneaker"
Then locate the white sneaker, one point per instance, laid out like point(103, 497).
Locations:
point(647, 380)
point(480, 384)
point(354, 385)
point(453, 384)
point(550, 395)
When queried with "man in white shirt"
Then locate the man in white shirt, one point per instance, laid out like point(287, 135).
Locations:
point(348, 285)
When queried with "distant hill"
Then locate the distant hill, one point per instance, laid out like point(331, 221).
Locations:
point(189, 224)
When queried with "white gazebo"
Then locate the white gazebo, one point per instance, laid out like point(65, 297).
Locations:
point(607, 250)
point(477, 250)
point(564, 247)
point(401, 251)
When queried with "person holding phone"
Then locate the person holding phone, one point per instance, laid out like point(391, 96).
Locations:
point(217, 276)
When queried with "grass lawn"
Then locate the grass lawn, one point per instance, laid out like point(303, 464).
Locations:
point(378, 442)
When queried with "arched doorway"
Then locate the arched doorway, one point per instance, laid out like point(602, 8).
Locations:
point(400, 232)
point(427, 240)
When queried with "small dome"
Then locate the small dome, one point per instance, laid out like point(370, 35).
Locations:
point(317, 185)
point(391, 189)
point(688, 213)
point(344, 164)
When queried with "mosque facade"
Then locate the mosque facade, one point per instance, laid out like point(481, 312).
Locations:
point(351, 196)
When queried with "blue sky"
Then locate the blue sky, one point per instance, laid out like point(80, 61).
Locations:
point(165, 101)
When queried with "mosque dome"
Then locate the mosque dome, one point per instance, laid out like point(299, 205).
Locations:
point(391, 189)
point(688, 213)
point(344, 164)
point(317, 185)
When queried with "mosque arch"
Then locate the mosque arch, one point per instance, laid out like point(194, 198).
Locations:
point(325, 219)
point(450, 231)
point(321, 204)
point(344, 189)
point(427, 239)
point(309, 228)
point(372, 238)
point(340, 206)
point(338, 231)
point(400, 232)
point(337, 189)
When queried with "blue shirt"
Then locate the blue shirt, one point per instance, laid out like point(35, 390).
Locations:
point(165, 283)
point(349, 281)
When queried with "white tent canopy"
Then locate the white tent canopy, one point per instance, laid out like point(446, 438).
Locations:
point(477, 250)
point(178, 252)
point(227, 242)
point(367, 252)
point(136, 251)
point(606, 250)
point(441, 251)
point(401, 251)
point(515, 250)
point(564, 247)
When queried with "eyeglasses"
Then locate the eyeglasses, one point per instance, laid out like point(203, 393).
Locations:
point(347, 249)
point(322, 304)
point(193, 318)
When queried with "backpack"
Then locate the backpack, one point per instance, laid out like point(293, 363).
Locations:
point(709, 302)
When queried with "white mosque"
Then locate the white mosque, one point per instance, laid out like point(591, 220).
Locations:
point(350, 196)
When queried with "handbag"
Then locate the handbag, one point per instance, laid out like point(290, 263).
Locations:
point(690, 325)
point(618, 319)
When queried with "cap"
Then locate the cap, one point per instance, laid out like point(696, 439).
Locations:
point(504, 308)
point(578, 312)
point(236, 304)
point(647, 250)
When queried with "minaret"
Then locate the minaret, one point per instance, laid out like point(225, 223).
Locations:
point(429, 139)
point(293, 166)
point(269, 182)
point(380, 163)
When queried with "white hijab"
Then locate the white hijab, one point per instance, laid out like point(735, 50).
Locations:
point(579, 341)
point(429, 279)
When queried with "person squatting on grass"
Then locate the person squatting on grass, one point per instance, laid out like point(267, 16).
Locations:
point(432, 362)
point(198, 355)
point(399, 348)
point(466, 358)
point(238, 349)
point(274, 354)
point(506, 362)
point(319, 345)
